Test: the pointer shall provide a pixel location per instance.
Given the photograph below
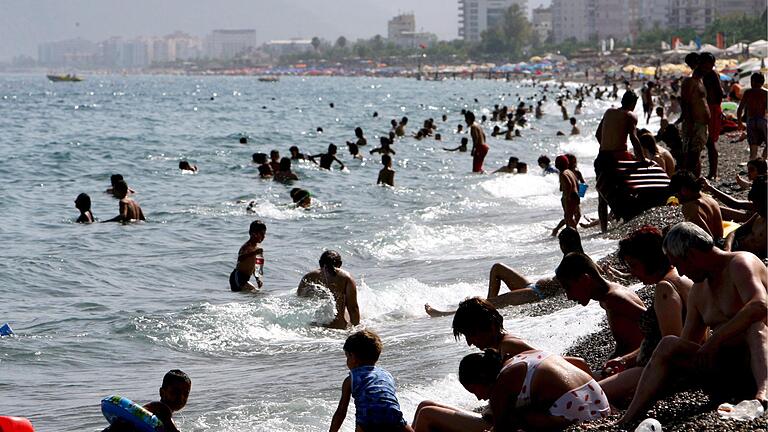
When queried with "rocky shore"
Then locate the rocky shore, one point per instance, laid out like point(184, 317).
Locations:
point(689, 410)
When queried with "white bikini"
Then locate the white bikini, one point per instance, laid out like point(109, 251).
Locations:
point(587, 402)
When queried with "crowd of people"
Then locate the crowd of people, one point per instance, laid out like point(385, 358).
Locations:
point(706, 324)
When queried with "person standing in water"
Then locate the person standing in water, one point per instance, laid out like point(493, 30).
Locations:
point(479, 146)
point(129, 209)
point(340, 283)
point(387, 174)
point(326, 159)
point(250, 260)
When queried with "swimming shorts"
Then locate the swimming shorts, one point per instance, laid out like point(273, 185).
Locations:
point(536, 290)
point(757, 131)
point(477, 160)
point(238, 279)
point(584, 403)
point(697, 140)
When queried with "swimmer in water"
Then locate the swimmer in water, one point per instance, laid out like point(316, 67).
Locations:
point(385, 148)
point(185, 166)
point(243, 140)
point(361, 140)
point(301, 198)
point(129, 209)
point(462, 148)
point(354, 150)
point(511, 167)
point(174, 393)
point(114, 179)
point(326, 159)
point(83, 203)
point(250, 260)
point(284, 173)
point(265, 171)
point(340, 283)
point(274, 162)
point(387, 174)
point(295, 154)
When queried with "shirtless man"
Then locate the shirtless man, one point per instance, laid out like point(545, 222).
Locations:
point(729, 298)
point(387, 174)
point(511, 167)
point(326, 159)
point(751, 235)
point(341, 285)
point(646, 94)
point(250, 260)
point(400, 129)
point(583, 282)
point(617, 124)
point(569, 186)
point(753, 103)
point(479, 146)
point(699, 209)
point(130, 210)
point(694, 129)
point(715, 95)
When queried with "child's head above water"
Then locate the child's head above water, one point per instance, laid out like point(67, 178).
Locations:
point(362, 349)
point(386, 160)
point(120, 189)
point(114, 178)
point(83, 202)
point(175, 389)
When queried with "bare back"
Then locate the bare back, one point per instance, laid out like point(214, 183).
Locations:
point(615, 127)
point(755, 101)
point(130, 210)
point(705, 212)
point(693, 101)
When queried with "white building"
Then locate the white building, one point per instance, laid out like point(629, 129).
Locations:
point(73, 52)
point(653, 13)
point(727, 8)
point(477, 16)
point(542, 22)
point(397, 26)
point(227, 44)
point(615, 19)
point(572, 19)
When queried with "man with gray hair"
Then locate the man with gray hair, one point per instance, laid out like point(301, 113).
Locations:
point(729, 298)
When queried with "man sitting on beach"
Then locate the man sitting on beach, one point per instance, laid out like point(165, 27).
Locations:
point(340, 283)
point(729, 298)
point(616, 125)
point(700, 209)
point(583, 282)
point(129, 209)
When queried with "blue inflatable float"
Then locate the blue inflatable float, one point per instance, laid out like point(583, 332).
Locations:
point(117, 409)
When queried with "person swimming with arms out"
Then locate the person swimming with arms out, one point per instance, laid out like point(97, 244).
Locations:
point(327, 159)
point(129, 210)
point(185, 166)
point(385, 147)
point(296, 154)
point(83, 203)
point(250, 260)
point(462, 147)
point(387, 174)
point(301, 198)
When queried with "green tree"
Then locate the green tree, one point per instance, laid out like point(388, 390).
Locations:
point(341, 42)
point(509, 37)
point(316, 43)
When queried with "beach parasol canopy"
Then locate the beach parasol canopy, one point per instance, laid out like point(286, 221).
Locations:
point(736, 49)
point(758, 48)
point(709, 48)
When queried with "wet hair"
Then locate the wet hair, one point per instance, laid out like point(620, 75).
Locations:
point(330, 258)
point(438, 137)
point(686, 236)
point(706, 57)
point(573, 120)
point(175, 376)
point(759, 164)
point(358, 131)
point(114, 178)
point(293, 149)
point(513, 160)
point(319, 129)
point(692, 60)
point(184, 165)
point(684, 179)
point(265, 170)
point(393, 122)
point(298, 195)
point(469, 116)
point(285, 164)
point(628, 99)
point(757, 79)
point(522, 167)
point(120, 188)
point(243, 140)
point(480, 368)
point(644, 245)
point(83, 201)
point(475, 315)
point(386, 160)
point(543, 160)
point(332, 148)
point(572, 161)
point(576, 264)
point(274, 154)
point(562, 163)
point(365, 345)
point(404, 120)
point(464, 140)
point(257, 226)
point(259, 158)
point(648, 142)
point(570, 240)
point(384, 141)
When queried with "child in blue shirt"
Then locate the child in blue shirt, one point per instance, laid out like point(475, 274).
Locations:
point(372, 388)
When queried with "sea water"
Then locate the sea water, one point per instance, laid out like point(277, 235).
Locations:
point(107, 309)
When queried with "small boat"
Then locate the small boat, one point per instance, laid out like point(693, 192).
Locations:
point(64, 78)
point(269, 79)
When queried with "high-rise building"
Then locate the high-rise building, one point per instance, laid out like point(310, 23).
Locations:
point(70, 53)
point(695, 14)
point(653, 14)
point(727, 8)
point(615, 19)
point(227, 44)
point(403, 23)
point(542, 22)
point(572, 19)
point(477, 16)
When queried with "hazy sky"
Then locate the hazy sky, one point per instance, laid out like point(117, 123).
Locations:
point(26, 23)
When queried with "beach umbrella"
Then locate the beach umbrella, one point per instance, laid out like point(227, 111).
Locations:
point(736, 49)
point(709, 48)
point(759, 48)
